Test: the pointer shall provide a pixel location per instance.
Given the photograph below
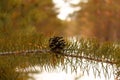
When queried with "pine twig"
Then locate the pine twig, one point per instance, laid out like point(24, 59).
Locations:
point(89, 58)
point(46, 51)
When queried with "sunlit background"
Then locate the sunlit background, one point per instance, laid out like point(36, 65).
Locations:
point(65, 8)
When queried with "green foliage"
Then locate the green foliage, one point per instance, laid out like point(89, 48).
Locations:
point(21, 43)
point(83, 54)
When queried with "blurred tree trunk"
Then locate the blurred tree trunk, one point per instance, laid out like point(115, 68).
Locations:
point(101, 18)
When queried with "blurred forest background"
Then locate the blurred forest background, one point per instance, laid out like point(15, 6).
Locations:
point(27, 17)
point(96, 18)
point(27, 25)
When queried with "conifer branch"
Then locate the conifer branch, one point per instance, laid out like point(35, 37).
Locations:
point(38, 51)
point(92, 59)
point(23, 52)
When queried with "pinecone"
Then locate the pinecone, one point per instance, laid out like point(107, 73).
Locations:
point(57, 44)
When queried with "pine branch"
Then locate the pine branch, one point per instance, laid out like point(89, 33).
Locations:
point(93, 59)
point(38, 51)
point(23, 52)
